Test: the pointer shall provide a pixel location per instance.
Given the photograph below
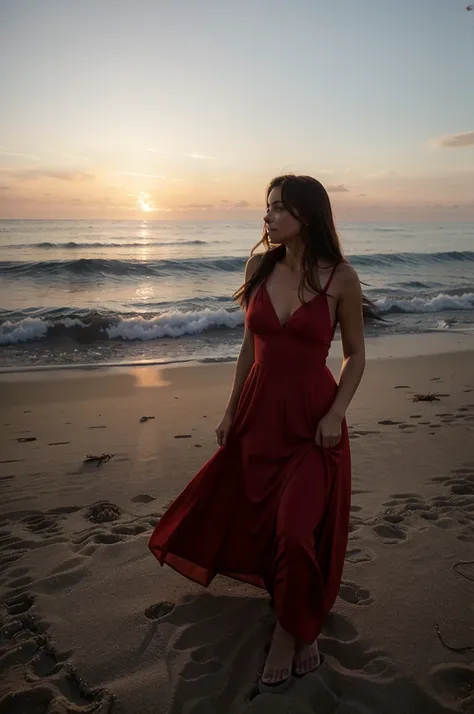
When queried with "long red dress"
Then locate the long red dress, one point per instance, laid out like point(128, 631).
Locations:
point(271, 508)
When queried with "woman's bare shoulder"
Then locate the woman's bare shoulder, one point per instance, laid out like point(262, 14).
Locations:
point(252, 264)
point(346, 279)
point(346, 272)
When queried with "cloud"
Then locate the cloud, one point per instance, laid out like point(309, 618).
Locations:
point(59, 174)
point(200, 157)
point(339, 188)
point(222, 205)
point(229, 205)
point(16, 154)
point(151, 176)
point(451, 141)
point(382, 174)
point(196, 207)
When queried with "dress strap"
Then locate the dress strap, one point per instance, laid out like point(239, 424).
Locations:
point(326, 287)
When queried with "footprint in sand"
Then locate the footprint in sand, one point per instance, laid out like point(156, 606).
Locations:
point(389, 533)
point(462, 488)
point(49, 682)
point(158, 611)
point(19, 604)
point(354, 526)
point(340, 639)
point(105, 531)
point(466, 537)
point(454, 683)
point(356, 555)
point(429, 515)
point(353, 593)
point(41, 523)
point(143, 498)
point(393, 518)
point(446, 511)
point(337, 626)
point(209, 636)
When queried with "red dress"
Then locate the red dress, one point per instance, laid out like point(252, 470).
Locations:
point(271, 508)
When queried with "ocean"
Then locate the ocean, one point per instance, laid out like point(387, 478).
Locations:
point(95, 292)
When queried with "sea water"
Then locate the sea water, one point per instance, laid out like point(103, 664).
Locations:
point(82, 292)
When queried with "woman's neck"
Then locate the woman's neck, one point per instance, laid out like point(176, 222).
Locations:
point(293, 258)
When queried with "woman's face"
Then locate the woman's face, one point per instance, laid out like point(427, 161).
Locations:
point(281, 226)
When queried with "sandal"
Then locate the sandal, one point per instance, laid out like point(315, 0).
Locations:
point(300, 676)
point(276, 687)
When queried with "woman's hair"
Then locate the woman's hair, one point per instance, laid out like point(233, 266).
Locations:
point(307, 200)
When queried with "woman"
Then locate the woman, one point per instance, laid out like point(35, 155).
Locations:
point(271, 507)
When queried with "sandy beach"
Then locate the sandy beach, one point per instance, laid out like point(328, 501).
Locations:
point(91, 623)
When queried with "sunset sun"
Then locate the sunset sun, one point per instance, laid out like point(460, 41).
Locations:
point(144, 202)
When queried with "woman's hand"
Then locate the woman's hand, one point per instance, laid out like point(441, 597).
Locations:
point(328, 433)
point(223, 429)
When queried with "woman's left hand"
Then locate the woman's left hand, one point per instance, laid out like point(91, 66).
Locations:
point(328, 433)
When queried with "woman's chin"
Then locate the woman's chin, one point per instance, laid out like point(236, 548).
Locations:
point(275, 239)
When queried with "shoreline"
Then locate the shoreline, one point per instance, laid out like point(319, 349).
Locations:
point(377, 347)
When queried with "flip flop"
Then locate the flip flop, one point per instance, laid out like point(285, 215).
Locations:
point(300, 676)
point(276, 688)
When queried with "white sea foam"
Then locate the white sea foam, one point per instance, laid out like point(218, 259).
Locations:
point(170, 324)
point(31, 328)
point(174, 324)
point(436, 303)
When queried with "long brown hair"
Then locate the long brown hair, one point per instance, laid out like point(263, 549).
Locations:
point(307, 200)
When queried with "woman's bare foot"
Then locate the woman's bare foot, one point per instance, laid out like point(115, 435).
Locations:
point(307, 659)
point(279, 659)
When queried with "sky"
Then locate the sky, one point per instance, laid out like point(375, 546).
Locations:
point(185, 109)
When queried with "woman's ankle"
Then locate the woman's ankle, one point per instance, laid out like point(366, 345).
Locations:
point(280, 632)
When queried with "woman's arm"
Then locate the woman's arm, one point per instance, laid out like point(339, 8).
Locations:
point(246, 356)
point(351, 321)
